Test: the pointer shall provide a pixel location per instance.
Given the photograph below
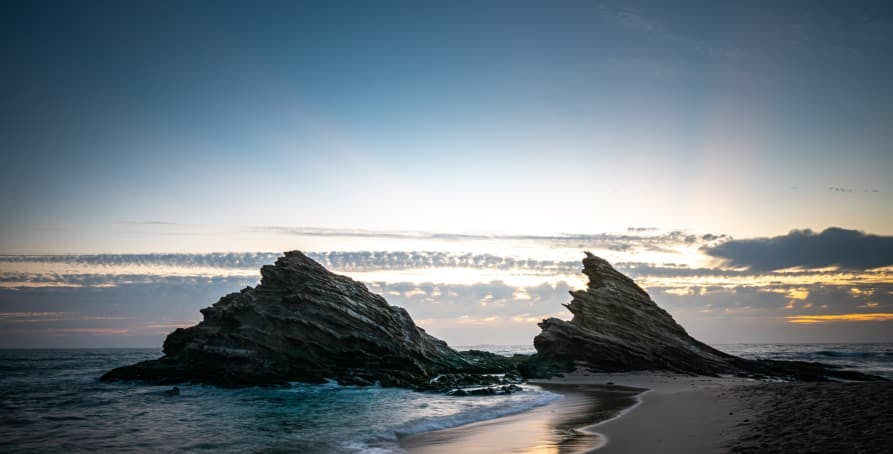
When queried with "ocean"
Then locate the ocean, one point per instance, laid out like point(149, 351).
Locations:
point(52, 401)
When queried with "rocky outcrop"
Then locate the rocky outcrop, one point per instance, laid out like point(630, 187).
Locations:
point(304, 323)
point(617, 327)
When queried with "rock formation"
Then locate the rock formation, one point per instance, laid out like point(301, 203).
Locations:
point(617, 327)
point(304, 323)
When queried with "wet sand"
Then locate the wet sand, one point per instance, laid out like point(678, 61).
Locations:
point(613, 413)
point(681, 414)
point(552, 428)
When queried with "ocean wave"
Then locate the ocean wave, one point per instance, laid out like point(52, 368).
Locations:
point(475, 414)
point(850, 354)
point(361, 447)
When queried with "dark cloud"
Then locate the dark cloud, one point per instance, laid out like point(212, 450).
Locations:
point(847, 249)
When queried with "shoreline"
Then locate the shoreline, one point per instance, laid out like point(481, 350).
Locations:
point(658, 412)
point(560, 425)
point(681, 414)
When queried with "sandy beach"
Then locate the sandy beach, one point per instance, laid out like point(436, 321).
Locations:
point(671, 413)
point(571, 424)
point(551, 428)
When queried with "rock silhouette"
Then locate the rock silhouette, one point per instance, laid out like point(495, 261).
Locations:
point(302, 323)
point(616, 327)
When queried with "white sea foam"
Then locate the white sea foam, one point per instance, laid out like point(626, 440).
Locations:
point(476, 413)
point(57, 391)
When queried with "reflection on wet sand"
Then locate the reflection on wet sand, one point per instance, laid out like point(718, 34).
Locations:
point(555, 428)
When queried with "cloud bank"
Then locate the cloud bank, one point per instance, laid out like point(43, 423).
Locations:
point(833, 247)
point(477, 297)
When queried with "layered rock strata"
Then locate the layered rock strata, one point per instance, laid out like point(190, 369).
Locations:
point(617, 327)
point(304, 323)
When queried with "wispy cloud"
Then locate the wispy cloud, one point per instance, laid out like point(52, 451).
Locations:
point(466, 296)
point(851, 190)
point(214, 260)
point(641, 20)
point(87, 331)
point(44, 317)
point(466, 267)
point(607, 240)
point(628, 17)
point(146, 223)
point(16, 316)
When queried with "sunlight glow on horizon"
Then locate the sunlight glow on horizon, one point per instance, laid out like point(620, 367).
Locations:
point(471, 148)
point(858, 317)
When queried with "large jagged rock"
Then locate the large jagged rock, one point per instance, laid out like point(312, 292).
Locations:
point(302, 323)
point(617, 327)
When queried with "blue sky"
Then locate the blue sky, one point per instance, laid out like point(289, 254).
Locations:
point(195, 127)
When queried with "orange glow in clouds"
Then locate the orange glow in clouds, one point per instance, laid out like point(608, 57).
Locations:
point(813, 319)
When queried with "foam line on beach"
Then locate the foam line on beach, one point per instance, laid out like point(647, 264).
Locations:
point(468, 417)
point(640, 398)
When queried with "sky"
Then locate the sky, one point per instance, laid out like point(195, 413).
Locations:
point(458, 157)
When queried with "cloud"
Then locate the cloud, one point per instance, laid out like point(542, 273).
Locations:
point(150, 307)
point(45, 317)
point(88, 331)
point(834, 247)
point(814, 319)
point(479, 300)
point(25, 280)
point(635, 239)
point(393, 266)
point(146, 223)
point(19, 317)
point(842, 189)
point(403, 260)
point(631, 19)
point(215, 260)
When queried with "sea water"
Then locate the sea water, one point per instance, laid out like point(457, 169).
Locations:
point(871, 358)
point(53, 401)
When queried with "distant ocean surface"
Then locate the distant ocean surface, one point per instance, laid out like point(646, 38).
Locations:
point(51, 401)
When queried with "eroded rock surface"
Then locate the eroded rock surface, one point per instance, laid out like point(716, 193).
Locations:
point(617, 327)
point(304, 323)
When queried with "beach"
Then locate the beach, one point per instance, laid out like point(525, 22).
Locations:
point(672, 413)
point(553, 427)
point(818, 418)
